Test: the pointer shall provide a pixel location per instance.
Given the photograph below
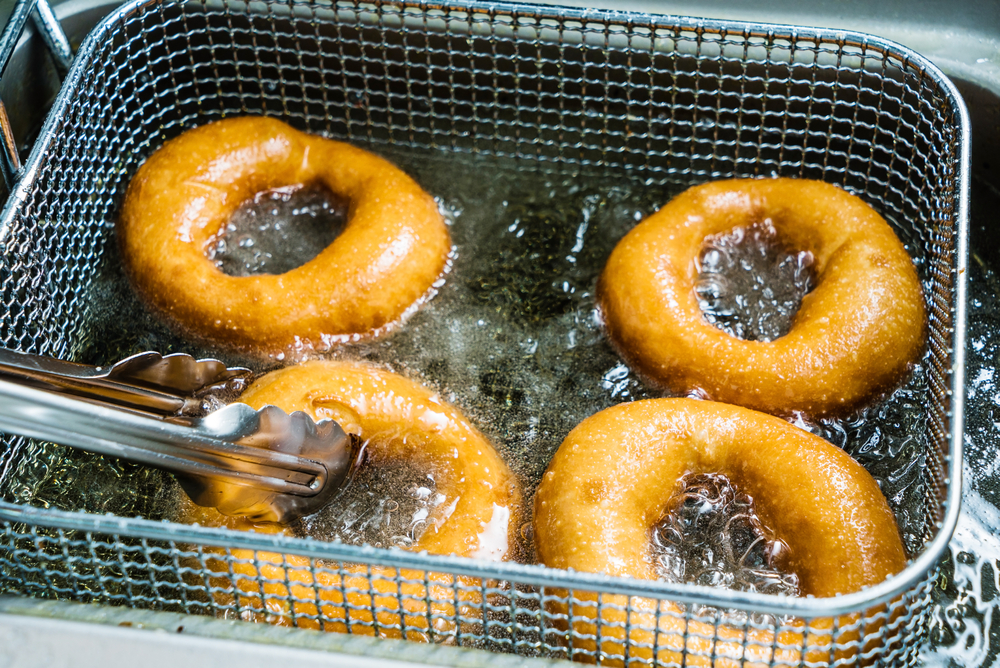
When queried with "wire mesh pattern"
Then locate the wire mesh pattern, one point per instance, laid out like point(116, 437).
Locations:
point(354, 590)
point(675, 102)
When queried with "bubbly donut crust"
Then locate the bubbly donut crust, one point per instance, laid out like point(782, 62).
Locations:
point(855, 335)
point(613, 476)
point(393, 247)
point(400, 421)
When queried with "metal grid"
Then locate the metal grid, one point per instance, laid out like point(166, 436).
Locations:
point(674, 102)
point(462, 602)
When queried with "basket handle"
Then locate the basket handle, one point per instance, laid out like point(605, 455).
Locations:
point(48, 26)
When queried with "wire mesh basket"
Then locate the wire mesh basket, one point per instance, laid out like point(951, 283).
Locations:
point(668, 101)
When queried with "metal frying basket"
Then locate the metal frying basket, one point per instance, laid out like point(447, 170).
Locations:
point(668, 100)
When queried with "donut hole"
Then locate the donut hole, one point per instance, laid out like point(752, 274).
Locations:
point(278, 230)
point(749, 284)
point(385, 504)
point(710, 535)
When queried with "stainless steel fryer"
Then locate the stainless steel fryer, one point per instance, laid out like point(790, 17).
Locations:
point(673, 101)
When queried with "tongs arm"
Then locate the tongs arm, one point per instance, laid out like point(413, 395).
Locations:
point(173, 446)
point(264, 463)
point(88, 382)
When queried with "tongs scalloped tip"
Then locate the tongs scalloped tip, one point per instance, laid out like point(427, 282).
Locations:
point(324, 457)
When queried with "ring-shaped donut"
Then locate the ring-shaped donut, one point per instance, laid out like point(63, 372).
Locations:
point(855, 334)
point(399, 421)
point(391, 250)
point(615, 474)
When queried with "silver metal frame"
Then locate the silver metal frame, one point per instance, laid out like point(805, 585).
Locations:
point(535, 575)
point(41, 14)
point(538, 576)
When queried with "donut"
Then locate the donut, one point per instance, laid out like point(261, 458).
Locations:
point(399, 421)
point(393, 247)
point(855, 335)
point(613, 476)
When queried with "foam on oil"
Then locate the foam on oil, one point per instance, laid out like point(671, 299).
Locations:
point(749, 285)
point(278, 230)
point(711, 536)
point(383, 506)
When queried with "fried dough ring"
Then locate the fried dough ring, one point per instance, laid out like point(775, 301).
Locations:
point(400, 421)
point(393, 247)
point(854, 336)
point(615, 473)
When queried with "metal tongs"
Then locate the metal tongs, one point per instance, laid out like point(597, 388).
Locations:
point(156, 410)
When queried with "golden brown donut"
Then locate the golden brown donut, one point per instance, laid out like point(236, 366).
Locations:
point(615, 473)
point(854, 336)
point(401, 421)
point(393, 247)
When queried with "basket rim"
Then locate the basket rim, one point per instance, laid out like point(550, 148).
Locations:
point(537, 574)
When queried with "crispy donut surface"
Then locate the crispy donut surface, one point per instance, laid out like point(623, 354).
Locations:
point(400, 421)
point(855, 335)
point(393, 247)
point(613, 476)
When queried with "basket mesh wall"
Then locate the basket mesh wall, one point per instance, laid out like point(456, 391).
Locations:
point(673, 102)
point(363, 590)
